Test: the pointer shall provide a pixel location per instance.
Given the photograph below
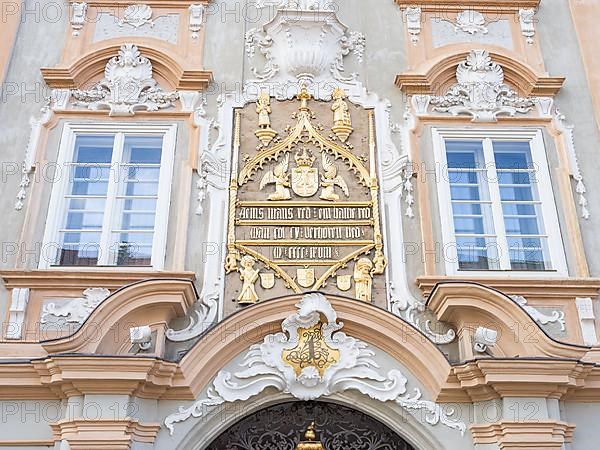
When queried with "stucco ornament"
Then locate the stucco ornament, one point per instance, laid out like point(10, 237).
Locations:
point(470, 21)
point(127, 87)
point(480, 91)
point(78, 309)
point(330, 363)
point(137, 16)
point(301, 47)
point(78, 11)
point(413, 23)
point(203, 316)
point(557, 316)
point(567, 133)
point(527, 22)
point(196, 18)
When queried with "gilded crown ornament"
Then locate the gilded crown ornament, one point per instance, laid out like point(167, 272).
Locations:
point(310, 440)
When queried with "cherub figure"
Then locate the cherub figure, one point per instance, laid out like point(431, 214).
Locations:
point(279, 175)
point(330, 179)
point(249, 275)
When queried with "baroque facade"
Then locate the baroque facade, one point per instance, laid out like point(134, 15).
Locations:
point(300, 224)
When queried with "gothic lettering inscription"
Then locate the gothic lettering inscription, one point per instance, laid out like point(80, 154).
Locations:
point(304, 209)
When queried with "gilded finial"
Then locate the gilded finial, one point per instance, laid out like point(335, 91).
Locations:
point(310, 442)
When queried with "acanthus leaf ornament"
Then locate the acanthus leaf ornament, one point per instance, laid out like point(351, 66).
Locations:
point(128, 86)
point(332, 362)
point(480, 91)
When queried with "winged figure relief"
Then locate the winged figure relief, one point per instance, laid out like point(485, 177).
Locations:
point(280, 177)
point(330, 179)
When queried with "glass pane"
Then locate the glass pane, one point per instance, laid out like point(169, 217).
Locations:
point(477, 253)
point(139, 177)
point(473, 221)
point(464, 154)
point(512, 155)
point(93, 149)
point(132, 249)
point(79, 249)
point(142, 149)
point(518, 183)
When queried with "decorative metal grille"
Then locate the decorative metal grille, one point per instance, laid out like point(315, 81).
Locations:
point(280, 427)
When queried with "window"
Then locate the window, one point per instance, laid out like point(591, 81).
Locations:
point(109, 204)
point(498, 210)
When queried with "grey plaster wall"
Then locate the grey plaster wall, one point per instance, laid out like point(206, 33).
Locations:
point(562, 56)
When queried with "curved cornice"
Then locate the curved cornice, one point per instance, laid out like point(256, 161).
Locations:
point(436, 74)
point(88, 68)
point(469, 305)
point(107, 328)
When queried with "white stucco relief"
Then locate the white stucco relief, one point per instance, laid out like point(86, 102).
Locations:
point(299, 45)
point(75, 310)
point(128, 86)
point(527, 23)
point(354, 368)
point(136, 20)
point(78, 16)
point(556, 316)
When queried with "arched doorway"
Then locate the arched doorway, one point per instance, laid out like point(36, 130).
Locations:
point(281, 427)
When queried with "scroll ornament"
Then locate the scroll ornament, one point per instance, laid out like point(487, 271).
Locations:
point(312, 358)
point(480, 91)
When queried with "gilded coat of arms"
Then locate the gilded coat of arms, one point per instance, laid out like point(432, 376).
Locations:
point(305, 178)
point(304, 208)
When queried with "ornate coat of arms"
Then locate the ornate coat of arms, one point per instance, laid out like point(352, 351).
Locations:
point(304, 200)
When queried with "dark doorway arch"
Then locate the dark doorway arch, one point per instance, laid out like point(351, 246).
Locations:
point(281, 426)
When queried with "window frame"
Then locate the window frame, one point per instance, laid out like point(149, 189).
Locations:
point(548, 207)
point(57, 204)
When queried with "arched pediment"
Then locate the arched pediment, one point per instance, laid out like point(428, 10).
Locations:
point(437, 74)
point(89, 68)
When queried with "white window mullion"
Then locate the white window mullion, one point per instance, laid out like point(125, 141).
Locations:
point(498, 215)
point(114, 180)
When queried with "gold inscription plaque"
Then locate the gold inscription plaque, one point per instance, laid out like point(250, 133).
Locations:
point(304, 206)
